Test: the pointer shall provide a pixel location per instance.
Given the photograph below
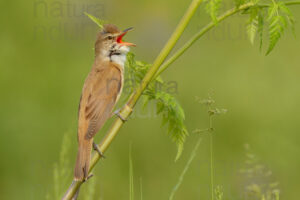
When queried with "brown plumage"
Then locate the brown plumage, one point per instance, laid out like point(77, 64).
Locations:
point(100, 93)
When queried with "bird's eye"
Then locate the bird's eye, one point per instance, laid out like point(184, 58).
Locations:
point(110, 37)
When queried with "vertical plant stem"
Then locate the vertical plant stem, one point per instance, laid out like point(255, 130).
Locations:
point(141, 188)
point(131, 184)
point(211, 166)
point(193, 154)
point(127, 109)
point(210, 131)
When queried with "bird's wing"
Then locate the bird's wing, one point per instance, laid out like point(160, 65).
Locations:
point(100, 99)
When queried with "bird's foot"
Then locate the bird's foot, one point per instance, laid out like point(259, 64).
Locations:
point(87, 178)
point(117, 112)
point(96, 148)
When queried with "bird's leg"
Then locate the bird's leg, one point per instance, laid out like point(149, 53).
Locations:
point(117, 112)
point(87, 178)
point(96, 148)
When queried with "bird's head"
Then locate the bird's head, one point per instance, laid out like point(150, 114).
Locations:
point(110, 41)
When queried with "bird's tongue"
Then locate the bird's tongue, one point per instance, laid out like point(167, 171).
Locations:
point(120, 37)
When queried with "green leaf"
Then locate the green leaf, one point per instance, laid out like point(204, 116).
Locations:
point(252, 25)
point(284, 9)
point(288, 14)
point(260, 29)
point(166, 105)
point(272, 11)
point(239, 2)
point(173, 115)
point(277, 25)
point(251, 30)
point(98, 21)
point(212, 8)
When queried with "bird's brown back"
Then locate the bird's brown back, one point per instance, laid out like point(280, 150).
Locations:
point(99, 96)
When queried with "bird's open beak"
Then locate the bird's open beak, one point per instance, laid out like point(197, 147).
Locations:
point(119, 38)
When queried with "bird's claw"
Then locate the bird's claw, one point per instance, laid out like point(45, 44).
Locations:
point(96, 148)
point(117, 112)
point(87, 178)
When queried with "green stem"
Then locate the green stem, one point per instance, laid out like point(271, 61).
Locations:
point(127, 109)
point(292, 3)
point(207, 28)
point(211, 166)
point(165, 51)
point(187, 166)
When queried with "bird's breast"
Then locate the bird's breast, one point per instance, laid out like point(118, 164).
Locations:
point(119, 59)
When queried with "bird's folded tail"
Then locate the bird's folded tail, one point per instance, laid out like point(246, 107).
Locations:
point(83, 160)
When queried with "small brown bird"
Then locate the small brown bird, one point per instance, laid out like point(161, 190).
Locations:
point(100, 93)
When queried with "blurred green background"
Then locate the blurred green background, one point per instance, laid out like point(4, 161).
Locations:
point(46, 53)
